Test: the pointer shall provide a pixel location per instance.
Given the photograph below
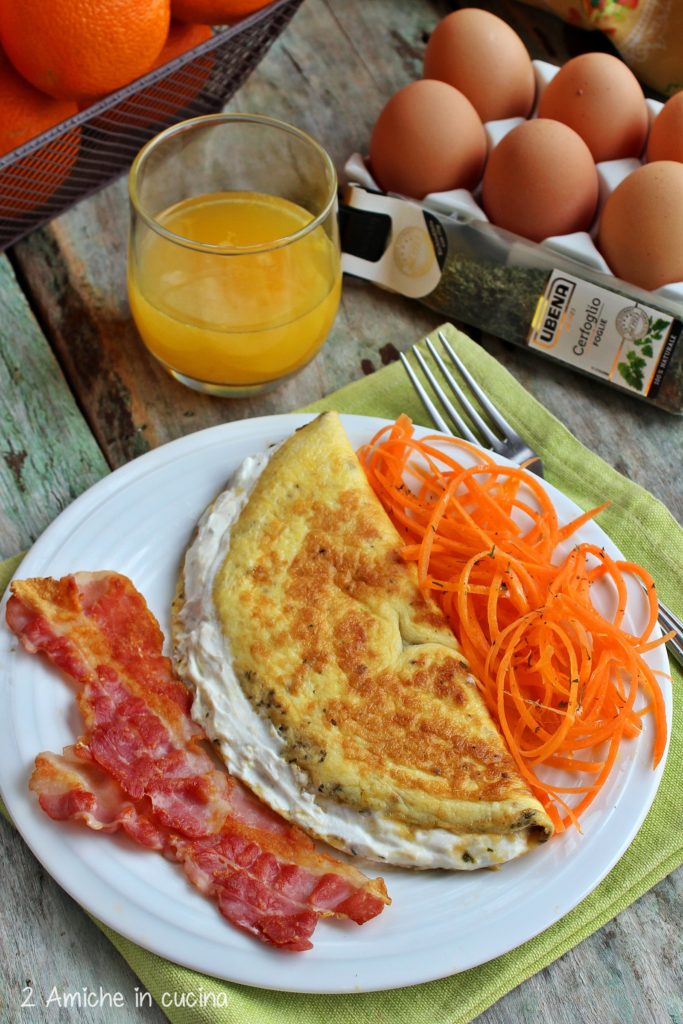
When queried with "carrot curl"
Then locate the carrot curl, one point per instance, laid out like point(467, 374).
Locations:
point(560, 679)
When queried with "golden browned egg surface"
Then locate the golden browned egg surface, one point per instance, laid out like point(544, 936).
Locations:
point(334, 643)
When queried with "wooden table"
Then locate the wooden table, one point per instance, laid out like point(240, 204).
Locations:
point(79, 396)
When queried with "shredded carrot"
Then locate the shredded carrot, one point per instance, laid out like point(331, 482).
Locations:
point(560, 678)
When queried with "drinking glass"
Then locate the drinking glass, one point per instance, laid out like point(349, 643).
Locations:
point(234, 268)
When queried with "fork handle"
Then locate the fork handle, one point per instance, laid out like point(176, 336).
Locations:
point(668, 621)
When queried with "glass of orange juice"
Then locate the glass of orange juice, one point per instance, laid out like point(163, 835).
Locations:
point(234, 269)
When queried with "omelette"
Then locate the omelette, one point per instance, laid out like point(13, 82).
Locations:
point(328, 682)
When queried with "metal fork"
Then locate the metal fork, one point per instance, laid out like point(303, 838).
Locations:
point(510, 444)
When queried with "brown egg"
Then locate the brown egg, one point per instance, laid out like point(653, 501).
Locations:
point(540, 180)
point(479, 54)
point(428, 138)
point(666, 133)
point(600, 98)
point(641, 226)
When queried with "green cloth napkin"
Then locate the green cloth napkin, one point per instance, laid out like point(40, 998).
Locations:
point(646, 532)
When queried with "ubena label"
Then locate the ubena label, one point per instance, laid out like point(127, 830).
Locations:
point(603, 334)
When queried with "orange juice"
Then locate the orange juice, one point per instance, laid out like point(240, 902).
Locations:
point(248, 304)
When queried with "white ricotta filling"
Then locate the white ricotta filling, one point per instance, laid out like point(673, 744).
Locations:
point(252, 748)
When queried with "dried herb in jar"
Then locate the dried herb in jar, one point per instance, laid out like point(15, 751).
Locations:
point(520, 292)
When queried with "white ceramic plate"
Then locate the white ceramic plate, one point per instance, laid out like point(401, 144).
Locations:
point(138, 521)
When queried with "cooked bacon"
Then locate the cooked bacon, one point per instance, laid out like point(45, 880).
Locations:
point(70, 788)
point(144, 737)
point(142, 766)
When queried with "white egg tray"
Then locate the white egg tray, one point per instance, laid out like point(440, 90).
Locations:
point(465, 206)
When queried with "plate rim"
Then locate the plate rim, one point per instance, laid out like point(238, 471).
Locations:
point(23, 813)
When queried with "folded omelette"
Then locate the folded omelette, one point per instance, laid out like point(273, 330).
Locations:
point(329, 683)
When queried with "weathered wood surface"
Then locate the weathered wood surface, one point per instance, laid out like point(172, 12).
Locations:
point(329, 73)
point(47, 452)
point(49, 947)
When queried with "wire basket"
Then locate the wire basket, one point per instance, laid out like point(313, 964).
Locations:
point(49, 173)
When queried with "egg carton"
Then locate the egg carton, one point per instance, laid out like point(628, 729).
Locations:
point(465, 206)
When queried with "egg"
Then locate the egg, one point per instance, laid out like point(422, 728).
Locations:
point(641, 226)
point(601, 99)
point(666, 135)
point(540, 180)
point(479, 54)
point(428, 138)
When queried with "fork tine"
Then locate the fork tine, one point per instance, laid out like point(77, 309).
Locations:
point(443, 398)
point(464, 400)
point(493, 412)
point(436, 416)
point(669, 620)
point(675, 647)
point(511, 445)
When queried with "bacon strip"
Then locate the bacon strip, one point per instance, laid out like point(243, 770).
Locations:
point(142, 767)
point(70, 788)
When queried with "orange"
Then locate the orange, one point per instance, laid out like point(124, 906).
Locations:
point(24, 113)
point(83, 49)
point(173, 94)
point(214, 12)
point(162, 103)
point(182, 37)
